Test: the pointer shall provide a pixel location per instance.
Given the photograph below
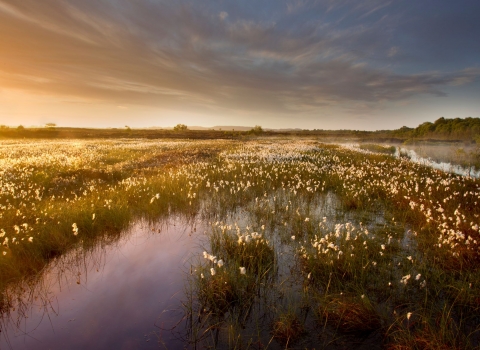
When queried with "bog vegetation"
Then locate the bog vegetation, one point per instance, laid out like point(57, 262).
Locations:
point(309, 244)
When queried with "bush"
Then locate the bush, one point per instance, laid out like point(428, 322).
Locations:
point(256, 130)
point(180, 127)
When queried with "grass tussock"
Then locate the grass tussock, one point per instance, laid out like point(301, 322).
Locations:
point(415, 331)
point(287, 328)
point(377, 148)
point(352, 315)
point(249, 249)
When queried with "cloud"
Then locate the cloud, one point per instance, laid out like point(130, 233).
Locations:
point(392, 51)
point(223, 15)
point(186, 56)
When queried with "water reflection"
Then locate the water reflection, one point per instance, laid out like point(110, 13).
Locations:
point(447, 158)
point(432, 158)
point(110, 297)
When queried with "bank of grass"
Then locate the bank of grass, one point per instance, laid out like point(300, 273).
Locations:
point(372, 147)
point(347, 235)
point(51, 209)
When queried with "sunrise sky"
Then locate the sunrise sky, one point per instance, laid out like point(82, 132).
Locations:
point(327, 64)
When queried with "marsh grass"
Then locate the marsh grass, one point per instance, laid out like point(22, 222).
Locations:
point(287, 328)
point(423, 330)
point(219, 303)
point(361, 239)
point(99, 190)
point(349, 314)
point(360, 278)
point(378, 148)
point(249, 250)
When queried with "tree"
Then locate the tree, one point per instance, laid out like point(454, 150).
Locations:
point(256, 130)
point(180, 127)
point(50, 125)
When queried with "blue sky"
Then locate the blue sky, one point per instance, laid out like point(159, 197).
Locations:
point(331, 64)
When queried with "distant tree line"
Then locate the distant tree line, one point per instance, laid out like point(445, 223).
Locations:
point(467, 129)
point(453, 129)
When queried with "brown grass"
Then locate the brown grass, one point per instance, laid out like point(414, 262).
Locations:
point(287, 328)
point(217, 294)
point(350, 314)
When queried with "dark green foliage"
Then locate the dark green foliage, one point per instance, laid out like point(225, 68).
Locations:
point(257, 130)
point(462, 129)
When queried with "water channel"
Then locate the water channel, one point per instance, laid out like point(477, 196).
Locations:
point(119, 296)
point(427, 157)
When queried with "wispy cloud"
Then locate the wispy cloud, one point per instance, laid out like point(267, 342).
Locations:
point(192, 56)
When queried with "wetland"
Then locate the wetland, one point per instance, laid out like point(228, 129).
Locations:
point(260, 243)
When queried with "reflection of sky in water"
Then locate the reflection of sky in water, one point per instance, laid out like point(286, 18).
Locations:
point(119, 306)
point(432, 158)
point(444, 166)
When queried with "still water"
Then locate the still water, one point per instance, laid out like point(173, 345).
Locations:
point(120, 296)
point(438, 157)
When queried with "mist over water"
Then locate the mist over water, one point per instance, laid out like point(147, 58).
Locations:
point(440, 157)
point(456, 159)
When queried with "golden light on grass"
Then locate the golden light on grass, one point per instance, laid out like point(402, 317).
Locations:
point(354, 235)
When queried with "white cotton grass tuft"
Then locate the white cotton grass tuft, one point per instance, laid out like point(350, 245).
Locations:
point(210, 257)
point(220, 263)
point(212, 271)
point(243, 270)
point(405, 279)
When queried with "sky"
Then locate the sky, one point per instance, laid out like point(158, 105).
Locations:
point(326, 64)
